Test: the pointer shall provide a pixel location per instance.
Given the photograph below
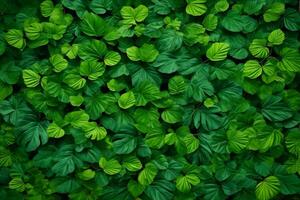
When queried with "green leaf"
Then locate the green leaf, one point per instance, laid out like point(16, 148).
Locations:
point(172, 115)
point(70, 51)
point(275, 110)
point(31, 79)
point(33, 32)
point(276, 37)
point(58, 62)
point(100, 6)
point(292, 19)
point(14, 110)
point(140, 13)
point(200, 88)
point(77, 118)
point(76, 5)
point(125, 144)
point(217, 51)
point(177, 85)
point(258, 48)
point(17, 184)
point(92, 50)
point(110, 167)
point(54, 131)
point(133, 53)
point(92, 69)
point(292, 142)
point(252, 69)
point(273, 12)
point(221, 6)
point(268, 188)
point(192, 143)
point(170, 40)
point(15, 38)
point(210, 22)
point(290, 60)
point(127, 100)
point(64, 166)
point(93, 131)
point(184, 183)
point(5, 90)
point(128, 14)
point(196, 7)
point(135, 188)
point(112, 58)
point(209, 119)
point(32, 133)
point(146, 92)
point(237, 140)
point(9, 73)
point(131, 16)
point(132, 164)
point(6, 158)
point(92, 25)
point(98, 103)
point(75, 81)
point(87, 174)
point(46, 8)
point(146, 53)
point(76, 100)
point(253, 6)
point(147, 175)
point(154, 137)
point(160, 190)
point(236, 23)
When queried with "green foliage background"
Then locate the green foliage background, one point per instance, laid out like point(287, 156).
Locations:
point(149, 99)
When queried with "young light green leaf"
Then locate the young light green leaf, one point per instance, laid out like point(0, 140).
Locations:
point(75, 81)
point(76, 100)
point(58, 62)
point(290, 60)
point(140, 13)
point(70, 51)
point(276, 37)
point(17, 184)
point(147, 175)
point(274, 11)
point(196, 7)
point(112, 58)
point(268, 188)
point(132, 164)
point(133, 53)
point(131, 16)
point(15, 38)
point(252, 69)
point(184, 183)
point(217, 51)
point(33, 31)
point(87, 174)
point(47, 7)
point(54, 131)
point(172, 115)
point(110, 167)
point(31, 79)
point(127, 100)
point(93, 131)
point(92, 69)
point(258, 48)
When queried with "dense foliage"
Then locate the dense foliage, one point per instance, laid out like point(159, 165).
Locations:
point(149, 99)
